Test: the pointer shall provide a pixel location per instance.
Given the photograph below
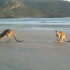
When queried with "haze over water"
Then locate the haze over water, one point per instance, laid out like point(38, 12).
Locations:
point(36, 23)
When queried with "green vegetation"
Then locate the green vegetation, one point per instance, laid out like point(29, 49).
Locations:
point(34, 8)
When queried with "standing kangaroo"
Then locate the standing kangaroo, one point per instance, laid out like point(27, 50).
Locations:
point(60, 36)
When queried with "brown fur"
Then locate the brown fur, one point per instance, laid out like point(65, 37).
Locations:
point(8, 33)
point(60, 36)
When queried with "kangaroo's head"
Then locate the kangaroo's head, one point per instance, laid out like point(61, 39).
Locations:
point(57, 31)
point(0, 36)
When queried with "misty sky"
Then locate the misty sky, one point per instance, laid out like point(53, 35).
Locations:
point(68, 0)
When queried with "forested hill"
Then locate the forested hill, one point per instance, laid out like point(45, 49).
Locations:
point(34, 8)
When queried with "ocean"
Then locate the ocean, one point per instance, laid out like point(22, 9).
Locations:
point(36, 23)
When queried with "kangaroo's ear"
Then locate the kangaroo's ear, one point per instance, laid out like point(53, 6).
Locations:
point(55, 30)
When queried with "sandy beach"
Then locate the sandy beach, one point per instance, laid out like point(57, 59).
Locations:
point(37, 52)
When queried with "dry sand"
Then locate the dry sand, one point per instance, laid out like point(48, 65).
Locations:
point(37, 52)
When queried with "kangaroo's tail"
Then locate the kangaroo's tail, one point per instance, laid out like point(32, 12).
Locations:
point(67, 41)
point(16, 38)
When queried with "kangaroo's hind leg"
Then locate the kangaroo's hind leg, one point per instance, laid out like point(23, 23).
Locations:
point(10, 38)
point(65, 39)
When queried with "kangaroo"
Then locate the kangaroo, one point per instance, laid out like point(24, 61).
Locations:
point(8, 33)
point(60, 36)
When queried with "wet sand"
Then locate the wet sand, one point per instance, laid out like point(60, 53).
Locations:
point(37, 52)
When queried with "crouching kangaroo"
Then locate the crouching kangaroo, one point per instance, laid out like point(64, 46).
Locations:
point(8, 33)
